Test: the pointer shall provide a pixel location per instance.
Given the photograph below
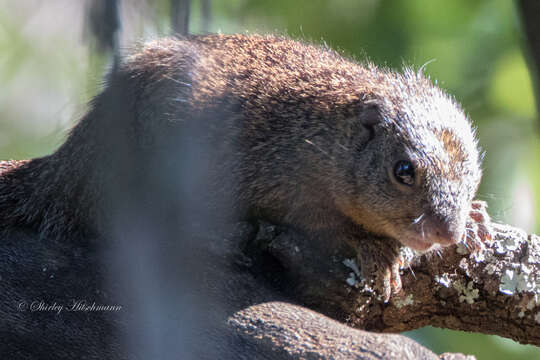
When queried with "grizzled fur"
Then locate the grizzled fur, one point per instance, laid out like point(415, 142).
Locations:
point(308, 127)
point(317, 134)
point(260, 125)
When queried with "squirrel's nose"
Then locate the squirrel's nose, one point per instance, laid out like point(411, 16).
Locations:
point(443, 231)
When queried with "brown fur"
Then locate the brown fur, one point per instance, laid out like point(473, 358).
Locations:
point(267, 126)
point(298, 133)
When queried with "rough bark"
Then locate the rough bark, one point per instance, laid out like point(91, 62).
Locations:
point(299, 333)
point(494, 291)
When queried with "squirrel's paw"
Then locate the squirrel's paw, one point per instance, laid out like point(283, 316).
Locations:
point(380, 269)
point(478, 227)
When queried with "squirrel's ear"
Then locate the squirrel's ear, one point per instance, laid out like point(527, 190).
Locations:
point(370, 115)
point(362, 125)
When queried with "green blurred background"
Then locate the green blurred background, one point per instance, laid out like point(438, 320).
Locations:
point(474, 50)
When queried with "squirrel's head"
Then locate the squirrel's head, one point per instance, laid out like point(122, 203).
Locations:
point(416, 164)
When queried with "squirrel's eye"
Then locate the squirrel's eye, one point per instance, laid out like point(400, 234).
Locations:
point(404, 172)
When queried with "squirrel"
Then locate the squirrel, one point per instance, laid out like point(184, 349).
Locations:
point(273, 128)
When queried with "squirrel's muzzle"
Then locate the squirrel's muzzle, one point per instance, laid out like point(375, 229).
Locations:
point(442, 231)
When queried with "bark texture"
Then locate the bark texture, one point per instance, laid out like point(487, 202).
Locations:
point(494, 290)
point(299, 333)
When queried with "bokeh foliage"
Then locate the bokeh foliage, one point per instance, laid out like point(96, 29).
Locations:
point(473, 49)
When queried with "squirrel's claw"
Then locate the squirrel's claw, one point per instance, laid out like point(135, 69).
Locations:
point(478, 226)
point(380, 269)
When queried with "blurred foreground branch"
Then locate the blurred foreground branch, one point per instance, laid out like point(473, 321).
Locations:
point(103, 23)
point(530, 13)
point(180, 16)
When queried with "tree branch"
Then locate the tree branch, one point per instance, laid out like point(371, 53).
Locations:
point(494, 291)
point(299, 333)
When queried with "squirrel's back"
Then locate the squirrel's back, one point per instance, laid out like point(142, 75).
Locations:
point(294, 130)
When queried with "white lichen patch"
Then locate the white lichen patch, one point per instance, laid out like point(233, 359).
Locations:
point(480, 255)
point(351, 264)
point(537, 318)
point(499, 247)
point(352, 279)
point(444, 280)
point(516, 281)
point(508, 283)
point(504, 244)
point(462, 249)
point(534, 245)
point(467, 292)
point(401, 302)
